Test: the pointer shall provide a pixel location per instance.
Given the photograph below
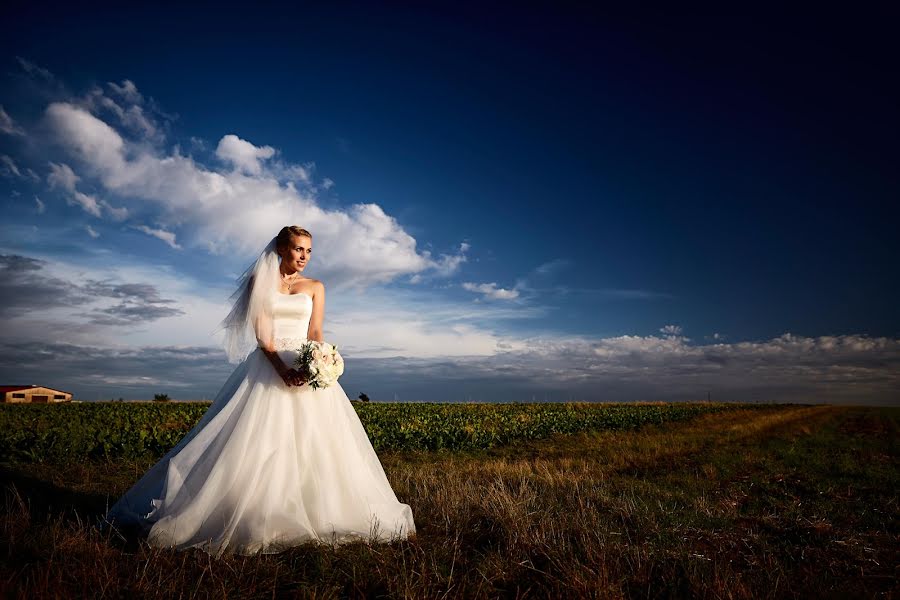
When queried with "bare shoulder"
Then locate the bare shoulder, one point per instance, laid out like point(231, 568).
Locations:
point(318, 288)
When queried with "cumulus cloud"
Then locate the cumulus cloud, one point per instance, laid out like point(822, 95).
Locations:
point(842, 369)
point(434, 352)
point(670, 329)
point(139, 117)
point(62, 176)
point(128, 91)
point(490, 290)
point(113, 140)
point(243, 155)
point(238, 211)
point(92, 141)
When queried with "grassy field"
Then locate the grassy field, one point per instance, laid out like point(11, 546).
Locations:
point(771, 502)
point(114, 430)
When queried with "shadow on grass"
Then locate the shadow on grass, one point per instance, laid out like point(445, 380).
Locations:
point(45, 501)
point(48, 499)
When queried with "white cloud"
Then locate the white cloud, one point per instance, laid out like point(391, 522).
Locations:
point(788, 368)
point(415, 323)
point(237, 212)
point(166, 236)
point(243, 155)
point(133, 117)
point(449, 264)
point(94, 142)
point(41, 207)
point(8, 125)
point(116, 213)
point(91, 231)
point(8, 167)
point(439, 345)
point(286, 172)
point(62, 175)
point(128, 91)
point(113, 145)
point(88, 203)
point(670, 329)
point(490, 290)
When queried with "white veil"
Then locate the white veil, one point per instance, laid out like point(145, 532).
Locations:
point(249, 324)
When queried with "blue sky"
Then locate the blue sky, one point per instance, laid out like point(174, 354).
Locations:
point(506, 204)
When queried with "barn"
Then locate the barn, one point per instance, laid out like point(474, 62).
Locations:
point(33, 393)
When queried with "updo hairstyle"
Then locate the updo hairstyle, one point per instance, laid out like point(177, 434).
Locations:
point(284, 236)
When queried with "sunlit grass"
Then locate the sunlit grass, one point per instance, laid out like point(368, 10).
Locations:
point(761, 503)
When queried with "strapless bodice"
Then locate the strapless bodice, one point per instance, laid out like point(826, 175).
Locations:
point(290, 319)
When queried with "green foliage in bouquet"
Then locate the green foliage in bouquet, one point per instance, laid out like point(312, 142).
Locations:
point(318, 377)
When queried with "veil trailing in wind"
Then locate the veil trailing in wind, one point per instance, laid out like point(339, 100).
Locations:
point(249, 324)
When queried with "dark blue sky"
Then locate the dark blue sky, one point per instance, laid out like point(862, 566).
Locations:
point(730, 174)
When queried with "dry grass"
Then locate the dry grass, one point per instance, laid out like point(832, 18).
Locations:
point(792, 501)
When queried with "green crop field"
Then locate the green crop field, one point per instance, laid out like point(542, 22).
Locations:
point(132, 430)
point(510, 500)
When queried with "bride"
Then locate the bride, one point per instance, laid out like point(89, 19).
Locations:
point(272, 463)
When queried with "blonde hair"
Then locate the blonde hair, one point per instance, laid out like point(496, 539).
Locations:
point(283, 239)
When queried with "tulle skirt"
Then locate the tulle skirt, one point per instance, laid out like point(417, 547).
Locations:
point(267, 467)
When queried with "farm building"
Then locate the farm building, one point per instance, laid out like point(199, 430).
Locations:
point(33, 393)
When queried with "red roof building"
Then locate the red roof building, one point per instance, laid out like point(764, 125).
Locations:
point(32, 393)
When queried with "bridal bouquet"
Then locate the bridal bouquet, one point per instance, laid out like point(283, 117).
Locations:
point(320, 362)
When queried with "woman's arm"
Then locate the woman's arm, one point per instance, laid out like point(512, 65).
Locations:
point(264, 330)
point(280, 367)
point(318, 313)
point(289, 375)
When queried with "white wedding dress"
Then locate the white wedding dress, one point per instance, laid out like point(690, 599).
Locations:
point(268, 466)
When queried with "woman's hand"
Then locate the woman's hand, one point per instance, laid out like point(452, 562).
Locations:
point(293, 377)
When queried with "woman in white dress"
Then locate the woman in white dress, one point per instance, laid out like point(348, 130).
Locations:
point(272, 463)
